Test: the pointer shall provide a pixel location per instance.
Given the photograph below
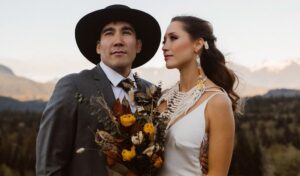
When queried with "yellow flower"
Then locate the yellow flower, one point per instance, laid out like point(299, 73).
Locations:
point(149, 128)
point(127, 120)
point(158, 162)
point(127, 155)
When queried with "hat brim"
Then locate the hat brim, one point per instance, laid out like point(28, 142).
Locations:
point(88, 30)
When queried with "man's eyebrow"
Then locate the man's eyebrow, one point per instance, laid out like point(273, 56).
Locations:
point(128, 28)
point(107, 29)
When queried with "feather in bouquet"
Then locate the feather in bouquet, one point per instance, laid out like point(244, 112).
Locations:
point(133, 139)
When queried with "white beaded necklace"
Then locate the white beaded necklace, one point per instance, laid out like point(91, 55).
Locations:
point(178, 103)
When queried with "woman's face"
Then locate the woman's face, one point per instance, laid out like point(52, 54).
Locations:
point(178, 48)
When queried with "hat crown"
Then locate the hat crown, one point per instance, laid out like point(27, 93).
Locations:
point(117, 6)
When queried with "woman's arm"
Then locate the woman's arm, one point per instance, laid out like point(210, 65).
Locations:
point(221, 129)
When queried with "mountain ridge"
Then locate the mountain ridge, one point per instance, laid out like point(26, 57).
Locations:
point(22, 88)
point(7, 103)
point(6, 70)
point(251, 82)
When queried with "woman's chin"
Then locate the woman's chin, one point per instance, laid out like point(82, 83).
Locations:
point(170, 66)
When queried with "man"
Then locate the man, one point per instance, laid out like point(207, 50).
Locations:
point(118, 37)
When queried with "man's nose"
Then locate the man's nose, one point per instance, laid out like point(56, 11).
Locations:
point(118, 40)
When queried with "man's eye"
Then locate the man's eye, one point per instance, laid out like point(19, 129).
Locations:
point(108, 33)
point(127, 32)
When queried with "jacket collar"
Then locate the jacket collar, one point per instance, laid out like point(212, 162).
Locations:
point(104, 86)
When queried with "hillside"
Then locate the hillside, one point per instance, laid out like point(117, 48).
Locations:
point(21, 88)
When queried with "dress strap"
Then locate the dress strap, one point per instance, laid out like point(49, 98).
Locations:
point(211, 96)
point(214, 89)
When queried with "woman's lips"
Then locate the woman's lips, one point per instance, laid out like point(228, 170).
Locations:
point(167, 57)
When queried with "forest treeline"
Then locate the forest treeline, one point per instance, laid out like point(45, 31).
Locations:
point(267, 139)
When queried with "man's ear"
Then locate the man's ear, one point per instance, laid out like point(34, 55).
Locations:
point(139, 46)
point(198, 45)
point(98, 47)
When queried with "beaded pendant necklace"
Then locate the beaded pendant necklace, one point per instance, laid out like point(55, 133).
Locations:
point(178, 103)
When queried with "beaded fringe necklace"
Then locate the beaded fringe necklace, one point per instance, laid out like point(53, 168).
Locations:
point(178, 103)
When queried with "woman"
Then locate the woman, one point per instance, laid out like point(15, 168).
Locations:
point(201, 105)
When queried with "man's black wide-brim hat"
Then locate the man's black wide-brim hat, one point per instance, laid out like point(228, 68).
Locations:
point(89, 27)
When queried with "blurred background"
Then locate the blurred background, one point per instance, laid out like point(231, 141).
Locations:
point(260, 39)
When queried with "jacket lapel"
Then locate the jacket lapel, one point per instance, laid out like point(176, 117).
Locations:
point(104, 86)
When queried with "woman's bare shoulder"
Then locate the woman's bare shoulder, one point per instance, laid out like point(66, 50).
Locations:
point(219, 106)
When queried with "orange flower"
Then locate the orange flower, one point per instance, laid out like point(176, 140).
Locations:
point(149, 128)
point(127, 120)
point(110, 158)
point(158, 162)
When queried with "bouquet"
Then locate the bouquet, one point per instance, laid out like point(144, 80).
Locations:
point(132, 139)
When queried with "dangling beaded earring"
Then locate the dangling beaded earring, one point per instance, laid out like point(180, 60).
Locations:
point(198, 60)
point(201, 80)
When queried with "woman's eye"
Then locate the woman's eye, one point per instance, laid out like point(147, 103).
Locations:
point(173, 38)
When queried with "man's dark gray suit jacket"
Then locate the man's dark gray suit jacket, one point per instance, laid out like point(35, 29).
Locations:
point(67, 125)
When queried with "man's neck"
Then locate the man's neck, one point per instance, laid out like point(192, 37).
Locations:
point(122, 71)
point(114, 76)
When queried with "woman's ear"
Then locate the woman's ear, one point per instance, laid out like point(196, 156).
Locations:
point(198, 45)
point(98, 47)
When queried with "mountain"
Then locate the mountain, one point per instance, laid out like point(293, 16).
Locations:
point(251, 82)
point(5, 70)
point(286, 77)
point(259, 82)
point(283, 93)
point(7, 103)
point(22, 88)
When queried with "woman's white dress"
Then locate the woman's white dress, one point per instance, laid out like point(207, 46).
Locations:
point(183, 145)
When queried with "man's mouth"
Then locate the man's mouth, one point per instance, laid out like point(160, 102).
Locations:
point(119, 52)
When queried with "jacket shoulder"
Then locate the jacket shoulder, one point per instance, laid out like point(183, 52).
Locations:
point(75, 77)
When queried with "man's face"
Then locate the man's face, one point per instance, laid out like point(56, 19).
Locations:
point(118, 46)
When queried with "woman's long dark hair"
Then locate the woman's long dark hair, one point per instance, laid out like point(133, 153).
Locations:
point(212, 59)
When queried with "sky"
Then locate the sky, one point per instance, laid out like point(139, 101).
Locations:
point(37, 37)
